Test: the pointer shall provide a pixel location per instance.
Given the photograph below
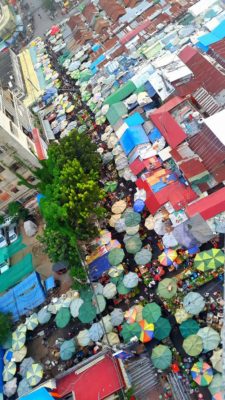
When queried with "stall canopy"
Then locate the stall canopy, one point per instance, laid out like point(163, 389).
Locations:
point(16, 273)
point(115, 112)
point(39, 394)
point(122, 93)
point(98, 266)
point(132, 137)
point(134, 119)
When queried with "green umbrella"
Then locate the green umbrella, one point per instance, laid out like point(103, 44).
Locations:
point(67, 350)
point(130, 330)
point(143, 257)
point(133, 245)
point(87, 312)
point(99, 302)
point(162, 328)
point(193, 345)
point(209, 260)
point(132, 219)
point(63, 317)
point(193, 303)
point(217, 385)
point(86, 294)
point(151, 312)
point(121, 289)
point(34, 374)
point(189, 327)
point(110, 186)
point(161, 357)
point(116, 256)
point(210, 338)
point(85, 75)
point(167, 288)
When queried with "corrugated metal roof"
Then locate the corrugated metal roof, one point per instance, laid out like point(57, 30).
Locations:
point(209, 206)
point(206, 101)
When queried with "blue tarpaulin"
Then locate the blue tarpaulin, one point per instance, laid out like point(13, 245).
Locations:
point(154, 135)
point(96, 47)
point(49, 283)
point(98, 266)
point(134, 119)
point(214, 36)
point(132, 137)
point(98, 61)
point(39, 394)
point(149, 89)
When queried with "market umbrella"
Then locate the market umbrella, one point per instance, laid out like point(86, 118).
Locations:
point(117, 317)
point(130, 330)
point(147, 331)
point(217, 360)
point(54, 30)
point(210, 338)
point(130, 315)
point(133, 245)
point(111, 338)
point(109, 290)
point(10, 387)
point(19, 339)
point(189, 327)
point(202, 373)
point(83, 338)
point(167, 288)
point(19, 355)
point(132, 219)
point(75, 306)
point(116, 256)
point(181, 315)
point(149, 222)
point(121, 289)
point(143, 257)
point(131, 280)
point(32, 322)
point(162, 328)
point(161, 357)
point(99, 302)
point(217, 385)
point(110, 186)
point(193, 345)
point(167, 257)
point(139, 309)
point(151, 312)
point(67, 349)
point(23, 388)
point(105, 237)
point(139, 205)
point(63, 317)
point(98, 288)
point(87, 312)
point(193, 303)
point(107, 324)
point(34, 374)
point(114, 272)
point(96, 332)
point(132, 230)
point(119, 207)
point(21, 328)
point(44, 316)
point(209, 260)
point(9, 371)
point(25, 365)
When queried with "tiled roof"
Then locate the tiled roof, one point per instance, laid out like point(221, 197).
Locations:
point(89, 12)
point(112, 9)
point(74, 22)
point(100, 25)
point(130, 3)
point(110, 43)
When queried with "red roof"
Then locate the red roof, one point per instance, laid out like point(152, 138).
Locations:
point(137, 166)
point(209, 206)
point(167, 125)
point(38, 144)
point(192, 168)
point(130, 35)
point(98, 381)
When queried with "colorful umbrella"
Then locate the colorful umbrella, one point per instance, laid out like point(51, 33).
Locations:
point(202, 373)
point(87, 312)
point(209, 260)
point(167, 257)
point(99, 302)
point(32, 322)
point(83, 338)
point(181, 315)
point(96, 332)
point(193, 303)
point(210, 338)
point(130, 330)
point(130, 280)
point(143, 257)
point(34, 374)
point(189, 327)
point(162, 328)
point(119, 207)
point(193, 345)
point(147, 331)
point(63, 317)
point(67, 350)
point(44, 316)
point(167, 288)
point(130, 315)
point(110, 290)
point(105, 237)
point(217, 360)
point(117, 317)
point(9, 371)
point(116, 256)
point(8, 356)
point(151, 312)
point(161, 357)
point(132, 219)
point(19, 339)
point(133, 245)
point(217, 385)
point(75, 306)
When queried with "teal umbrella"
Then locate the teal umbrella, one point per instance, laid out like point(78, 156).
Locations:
point(87, 312)
point(151, 312)
point(99, 302)
point(132, 219)
point(143, 257)
point(210, 338)
point(63, 317)
point(217, 385)
point(121, 289)
point(189, 327)
point(44, 316)
point(86, 294)
point(110, 186)
point(130, 330)
point(193, 303)
point(67, 350)
point(161, 357)
point(116, 256)
point(133, 245)
point(162, 328)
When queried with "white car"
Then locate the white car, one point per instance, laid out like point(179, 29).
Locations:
point(3, 241)
point(12, 233)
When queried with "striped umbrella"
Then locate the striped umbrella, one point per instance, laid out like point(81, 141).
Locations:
point(9, 371)
point(167, 257)
point(202, 373)
point(19, 339)
point(147, 331)
point(32, 322)
point(209, 260)
point(34, 374)
point(130, 315)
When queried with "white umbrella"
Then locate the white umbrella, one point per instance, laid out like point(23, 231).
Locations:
point(169, 240)
point(111, 338)
point(96, 332)
point(10, 387)
point(140, 194)
point(130, 280)
point(109, 290)
point(98, 288)
point(217, 360)
point(117, 317)
point(107, 324)
point(149, 222)
point(83, 338)
point(132, 230)
point(75, 306)
point(23, 388)
point(19, 355)
point(44, 315)
point(120, 225)
point(114, 218)
point(159, 227)
point(117, 150)
point(25, 365)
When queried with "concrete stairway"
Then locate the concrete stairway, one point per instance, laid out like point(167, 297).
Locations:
point(179, 389)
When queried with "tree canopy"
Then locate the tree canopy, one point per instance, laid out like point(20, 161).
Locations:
point(5, 327)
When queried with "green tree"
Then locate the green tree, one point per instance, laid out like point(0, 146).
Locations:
point(1, 219)
point(5, 326)
point(15, 209)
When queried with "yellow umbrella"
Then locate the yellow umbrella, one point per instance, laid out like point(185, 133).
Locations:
point(119, 207)
point(70, 109)
point(114, 218)
point(181, 315)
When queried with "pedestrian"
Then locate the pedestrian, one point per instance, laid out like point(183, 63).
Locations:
point(39, 16)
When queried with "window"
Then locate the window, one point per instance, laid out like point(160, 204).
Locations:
point(31, 178)
point(10, 116)
point(1, 168)
point(14, 190)
point(15, 166)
